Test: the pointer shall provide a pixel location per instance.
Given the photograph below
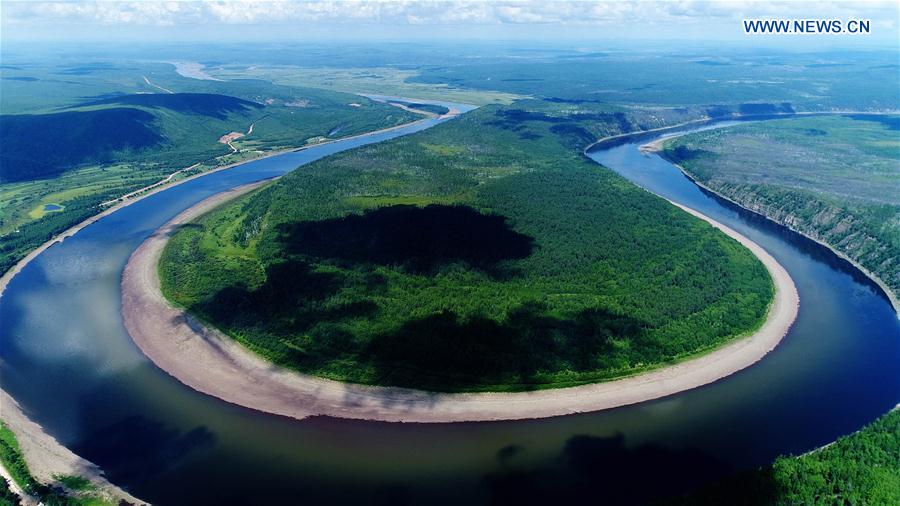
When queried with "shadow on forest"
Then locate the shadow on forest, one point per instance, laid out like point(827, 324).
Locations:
point(439, 352)
point(682, 153)
point(289, 300)
point(204, 104)
point(444, 352)
point(570, 133)
point(420, 239)
point(603, 470)
point(94, 136)
point(891, 122)
point(307, 325)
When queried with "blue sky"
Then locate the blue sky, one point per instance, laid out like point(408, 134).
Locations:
point(416, 20)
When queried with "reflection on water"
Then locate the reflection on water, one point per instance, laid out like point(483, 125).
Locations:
point(601, 470)
point(69, 362)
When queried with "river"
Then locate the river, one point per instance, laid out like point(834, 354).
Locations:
point(69, 362)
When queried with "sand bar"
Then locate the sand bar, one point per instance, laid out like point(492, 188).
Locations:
point(209, 361)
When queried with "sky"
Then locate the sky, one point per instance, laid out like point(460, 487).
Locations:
point(546, 21)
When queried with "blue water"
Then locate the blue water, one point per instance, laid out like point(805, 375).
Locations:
point(68, 360)
point(52, 207)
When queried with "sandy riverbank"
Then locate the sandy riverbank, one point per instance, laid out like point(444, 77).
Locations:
point(44, 455)
point(47, 459)
point(208, 361)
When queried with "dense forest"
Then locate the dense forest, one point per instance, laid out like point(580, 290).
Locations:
point(486, 253)
point(78, 136)
point(836, 179)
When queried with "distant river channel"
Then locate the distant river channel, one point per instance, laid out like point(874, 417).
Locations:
point(68, 360)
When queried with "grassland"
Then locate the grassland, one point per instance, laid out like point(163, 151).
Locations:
point(724, 81)
point(720, 80)
point(836, 179)
point(385, 80)
point(483, 254)
point(106, 130)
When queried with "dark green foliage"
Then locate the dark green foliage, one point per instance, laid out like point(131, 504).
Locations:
point(834, 178)
point(680, 154)
point(204, 104)
point(432, 108)
point(418, 239)
point(467, 257)
point(76, 482)
point(511, 118)
point(444, 351)
point(862, 468)
point(718, 111)
point(7, 497)
point(14, 462)
point(572, 135)
point(891, 122)
point(76, 137)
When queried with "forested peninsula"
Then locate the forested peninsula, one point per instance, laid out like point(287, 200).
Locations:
point(484, 254)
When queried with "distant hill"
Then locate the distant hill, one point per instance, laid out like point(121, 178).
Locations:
point(90, 138)
point(44, 145)
point(205, 104)
point(37, 146)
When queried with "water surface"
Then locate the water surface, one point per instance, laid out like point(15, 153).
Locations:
point(68, 360)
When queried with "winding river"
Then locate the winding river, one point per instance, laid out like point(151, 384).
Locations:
point(69, 362)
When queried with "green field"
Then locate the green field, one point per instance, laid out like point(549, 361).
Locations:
point(103, 131)
point(726, 81)
point(835, 178)
point(729, 82)
point(372, 80)
point(486, 253)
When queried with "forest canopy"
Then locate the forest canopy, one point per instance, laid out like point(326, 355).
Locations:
point(486, 253)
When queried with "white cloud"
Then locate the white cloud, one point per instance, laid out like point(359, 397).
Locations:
point(440, 13)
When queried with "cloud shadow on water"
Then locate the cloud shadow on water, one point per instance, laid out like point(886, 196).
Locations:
point(605, 471)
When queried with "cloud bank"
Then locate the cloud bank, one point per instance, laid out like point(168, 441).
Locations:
point(398, 14)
